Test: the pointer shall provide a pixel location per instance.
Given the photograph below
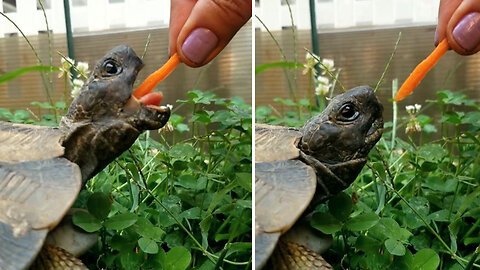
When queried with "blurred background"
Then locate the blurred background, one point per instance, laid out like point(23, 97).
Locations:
point(360, 36)
point(99, 25)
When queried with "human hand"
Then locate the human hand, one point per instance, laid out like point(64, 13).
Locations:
point(459, 22)
point(200, 29)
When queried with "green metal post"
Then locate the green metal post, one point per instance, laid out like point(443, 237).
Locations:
point(314, 36)
point(68, 26)
point(313, 29)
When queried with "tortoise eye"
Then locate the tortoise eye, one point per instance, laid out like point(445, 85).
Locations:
point(111, 68)
point(348, 112)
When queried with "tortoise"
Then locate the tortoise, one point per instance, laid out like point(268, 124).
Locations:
point(42, 169)
point(295, 168)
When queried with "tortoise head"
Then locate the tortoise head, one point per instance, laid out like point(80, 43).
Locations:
point(105, 119)
point(346, 130)
point(107, 94)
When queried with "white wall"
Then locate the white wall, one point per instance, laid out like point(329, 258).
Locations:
point(336, 14)
point(90, 15)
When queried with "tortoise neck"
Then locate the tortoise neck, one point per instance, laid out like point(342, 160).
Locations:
point(333, 178)
point(93, 145)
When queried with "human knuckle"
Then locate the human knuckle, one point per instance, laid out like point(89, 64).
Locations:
point(241, 9)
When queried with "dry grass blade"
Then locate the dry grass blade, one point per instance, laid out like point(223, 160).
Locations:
point(327, 70)
point(388, 63)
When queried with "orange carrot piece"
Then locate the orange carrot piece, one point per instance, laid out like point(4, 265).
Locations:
point(159, 75)
point(421, 70)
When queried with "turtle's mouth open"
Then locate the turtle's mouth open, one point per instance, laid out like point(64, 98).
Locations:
point(146, 107)
point(150, 101)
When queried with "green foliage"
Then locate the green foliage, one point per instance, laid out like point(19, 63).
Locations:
point(283, 64)
point(290, 113)
point(184, 203)
point(15, 73)
point(416, 203)
point(29, 117)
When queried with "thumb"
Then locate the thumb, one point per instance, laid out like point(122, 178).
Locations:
point(463, 30)
point(209, 28)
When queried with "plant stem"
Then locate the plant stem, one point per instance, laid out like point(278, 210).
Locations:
point(395, 115)
point(429, 227)
point(388, 63)
point(284, 58)
point(209, 255)
point(146, 46)
point(139, 169)
point(473, 259)
point(294, 36)
point(39, 60)
point(50, 80)
point(327, 70)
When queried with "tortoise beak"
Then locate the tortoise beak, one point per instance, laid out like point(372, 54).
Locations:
point(150, 100)
point(145, 112)
point(375, 131)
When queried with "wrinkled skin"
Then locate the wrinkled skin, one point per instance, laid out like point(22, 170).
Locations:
point(347, 129)
point(341, 137)
point(105, 119)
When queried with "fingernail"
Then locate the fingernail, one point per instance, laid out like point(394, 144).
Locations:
point(199, 44)
point(435, 38)
point(467, 31)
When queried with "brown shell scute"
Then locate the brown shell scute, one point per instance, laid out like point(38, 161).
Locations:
point(19, 252)
point(37, 194)
point(20, 142)
point(275, 143)
point(34, 196)
point(283, 189)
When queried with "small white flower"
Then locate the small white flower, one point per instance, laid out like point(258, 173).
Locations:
point(66, 63)
point(311, 58)
point(413, 109)
point(82, 68)
point(309, 69)
point(75, 91)
point(323, 80)
point(322, 89)
point(77, 85)
point(65, 68)
point(152, 151)
point(322, 85)
point(410, 109)
point(328, 64)
point(413, 127)
point(310, 62)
